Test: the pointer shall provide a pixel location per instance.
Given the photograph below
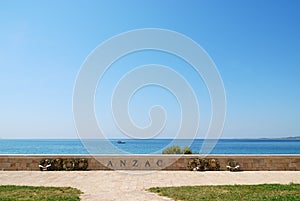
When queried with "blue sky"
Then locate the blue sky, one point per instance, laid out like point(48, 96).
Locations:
point(254, 44)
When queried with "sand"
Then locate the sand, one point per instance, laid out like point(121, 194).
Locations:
point(127, 186)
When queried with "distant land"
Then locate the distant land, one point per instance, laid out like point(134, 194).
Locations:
point(282, 138)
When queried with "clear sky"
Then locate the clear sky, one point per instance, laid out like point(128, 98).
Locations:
point(255, 45)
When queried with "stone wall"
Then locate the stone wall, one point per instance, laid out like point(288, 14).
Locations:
point(155, 162)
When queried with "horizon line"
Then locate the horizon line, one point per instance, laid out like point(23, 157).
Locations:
point(232, 138)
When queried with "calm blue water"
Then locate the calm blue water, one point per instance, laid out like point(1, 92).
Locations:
point(146, 146)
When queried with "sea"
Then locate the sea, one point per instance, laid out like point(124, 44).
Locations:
point(146, 146)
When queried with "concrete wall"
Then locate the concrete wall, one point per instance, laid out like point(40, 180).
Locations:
point(155, 162)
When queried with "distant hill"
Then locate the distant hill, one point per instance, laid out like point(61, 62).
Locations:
point(292, 138)
point(283, 138)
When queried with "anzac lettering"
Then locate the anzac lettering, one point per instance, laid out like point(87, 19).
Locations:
point(135, 163)
point(122, 163)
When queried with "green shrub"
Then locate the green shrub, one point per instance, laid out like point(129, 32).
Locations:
point(172, 150)
point(177, 150)
point(187, 150)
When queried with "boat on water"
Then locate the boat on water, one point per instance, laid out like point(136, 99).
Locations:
point(120, 142)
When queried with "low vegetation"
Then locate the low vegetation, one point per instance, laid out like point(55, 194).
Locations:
point(266, 192)
point(30, 193)
point(177, 150)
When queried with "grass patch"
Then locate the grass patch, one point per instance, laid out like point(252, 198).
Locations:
point(266, 192)
point(14, 193)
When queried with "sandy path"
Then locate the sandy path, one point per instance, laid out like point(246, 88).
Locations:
point(128, 186)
